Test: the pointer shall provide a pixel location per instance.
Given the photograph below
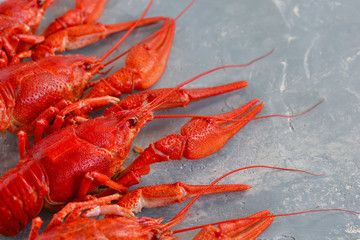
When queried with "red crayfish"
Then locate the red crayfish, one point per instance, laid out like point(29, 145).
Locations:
point(75, 161)
point(62, 166)
point(120, 223)
point(19, 21)
point(32, 92)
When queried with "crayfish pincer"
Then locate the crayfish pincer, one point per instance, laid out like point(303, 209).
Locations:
point(120, 223)
point(55, 170)
point(32, 93)
point(19, 20)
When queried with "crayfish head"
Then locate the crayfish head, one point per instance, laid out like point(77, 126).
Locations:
point(114, 132)
point(78, 63)
point(91, 65)
point(75, 70)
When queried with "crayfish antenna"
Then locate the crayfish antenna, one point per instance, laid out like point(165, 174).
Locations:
point(126, 34)
point(217, 117)
point(317, 210)
point(179, 98)
point(234, 226)
point(160, 31)
point(294, 115)
point(145, 64)
point(243, 228)
point(185, 9)
point(161, 99)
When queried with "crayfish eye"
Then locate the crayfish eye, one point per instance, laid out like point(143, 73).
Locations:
point(40, 3)
point(87, 66)
point(132, 121)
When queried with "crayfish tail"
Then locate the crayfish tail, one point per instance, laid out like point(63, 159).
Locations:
point(21, 196)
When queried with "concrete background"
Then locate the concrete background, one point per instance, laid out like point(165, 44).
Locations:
point(316, 57)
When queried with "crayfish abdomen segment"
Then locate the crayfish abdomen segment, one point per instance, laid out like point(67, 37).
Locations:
point(22, 191)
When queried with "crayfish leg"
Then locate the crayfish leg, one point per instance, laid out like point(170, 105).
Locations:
point(23, 142)
point(35, 227)
point(59, 217)
point(84, 12)
point(199, 138)
point(79, 36)
point(168, 194)
point(90, 177)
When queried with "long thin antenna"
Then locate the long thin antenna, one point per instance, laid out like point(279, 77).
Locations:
point(269, 216)
point(152, 35)
point(127, 33)
point(239, 120)
point(154, 104)
point(183, 11)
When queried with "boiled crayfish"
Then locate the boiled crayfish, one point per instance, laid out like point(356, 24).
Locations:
point(32, 93)
point(19, 21)
point(120, 222)
point(61, 167)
